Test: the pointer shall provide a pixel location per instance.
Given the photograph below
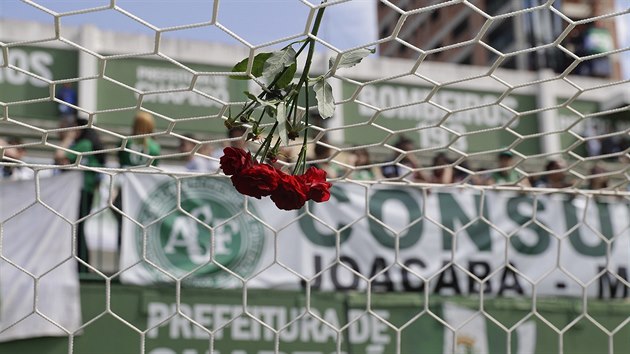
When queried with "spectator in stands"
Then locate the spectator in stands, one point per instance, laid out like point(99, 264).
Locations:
point(237, 140)
point(410, 160)
point(66, 124)
point(323, 152)
point(598, 182)
point(68, 94)
point(143, 124)
point(443, 175)
point(83, 140)
point(15, 172)
point(199, 161)
point(598, 40)
point(237, 137)
point(593, 144)
point(556, 176)
point(590, 39)
point(613, 143)
point(478, 178)
point(507, 175)
point(459, 175)
point(286, 155)
point(574, 42)
point(361, 157)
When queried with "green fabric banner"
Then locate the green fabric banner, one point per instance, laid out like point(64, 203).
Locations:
point(240, 322)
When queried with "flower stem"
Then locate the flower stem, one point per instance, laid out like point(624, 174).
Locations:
point(311, 48)
point(300, 165)
point(301, 48)
point(293, 100)
point(301, 161)
point(265, 145)
point(262, 114)
point(293, 107)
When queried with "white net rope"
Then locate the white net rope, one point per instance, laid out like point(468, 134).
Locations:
point(465, 156)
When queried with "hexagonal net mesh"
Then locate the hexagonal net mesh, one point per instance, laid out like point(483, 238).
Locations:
point(479, 162)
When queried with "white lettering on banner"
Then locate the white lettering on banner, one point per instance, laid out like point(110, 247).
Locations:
point(368, 329)
point(432, 137)
point(162, 319)
point(240, 329)
point(149, 78)
point(389, 96)
point(185, 233)
point(579, 226)
point(223, 237)
point(38, 62)
point(591, 126)
point(369, 350)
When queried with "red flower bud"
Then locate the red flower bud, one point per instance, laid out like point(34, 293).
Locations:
point(291, 193)
point(234, 160)
point(256, 181)
point(315, 181)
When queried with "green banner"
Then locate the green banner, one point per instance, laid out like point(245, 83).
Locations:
point(481, 128)
point(47, 63)
point(334, 321)
point(602, 134)
point(571, 119)
point(157, 75)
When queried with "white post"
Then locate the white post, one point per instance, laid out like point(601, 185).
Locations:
point(88, 66)
point(547, 120)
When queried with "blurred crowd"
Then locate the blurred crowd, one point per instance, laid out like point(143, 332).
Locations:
point(507, 169)
point(80, 144)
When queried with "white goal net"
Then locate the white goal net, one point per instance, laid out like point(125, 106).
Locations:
point(478, 150)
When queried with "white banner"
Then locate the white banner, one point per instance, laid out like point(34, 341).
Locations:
point(39, 242)
point(446, 241)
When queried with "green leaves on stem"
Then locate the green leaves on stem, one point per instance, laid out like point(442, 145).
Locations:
point(278, 67)
point(323, 90)
point(281, 65)
point(350, 59)
point(257, 67)
point(324, 96)
point(281, 92)
point(281, 119)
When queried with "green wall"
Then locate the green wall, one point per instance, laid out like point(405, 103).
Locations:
point(218, 311)
point(483, 128)
point(149, 74)
point(48, 63)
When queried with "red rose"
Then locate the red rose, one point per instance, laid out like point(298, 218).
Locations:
point(291, 193)
point(234, 160)
point(315, 181)
point(256, 181)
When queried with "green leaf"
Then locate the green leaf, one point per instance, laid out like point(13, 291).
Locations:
point(257, 66)
point(313, 80)
point(281, 118)
point(351, 59)
point(260, 101)
point(325, 100)
point(287, 77)
point(277, 62)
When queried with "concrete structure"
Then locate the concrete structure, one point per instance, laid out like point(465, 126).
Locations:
point(111, 70)
point(437, 25)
